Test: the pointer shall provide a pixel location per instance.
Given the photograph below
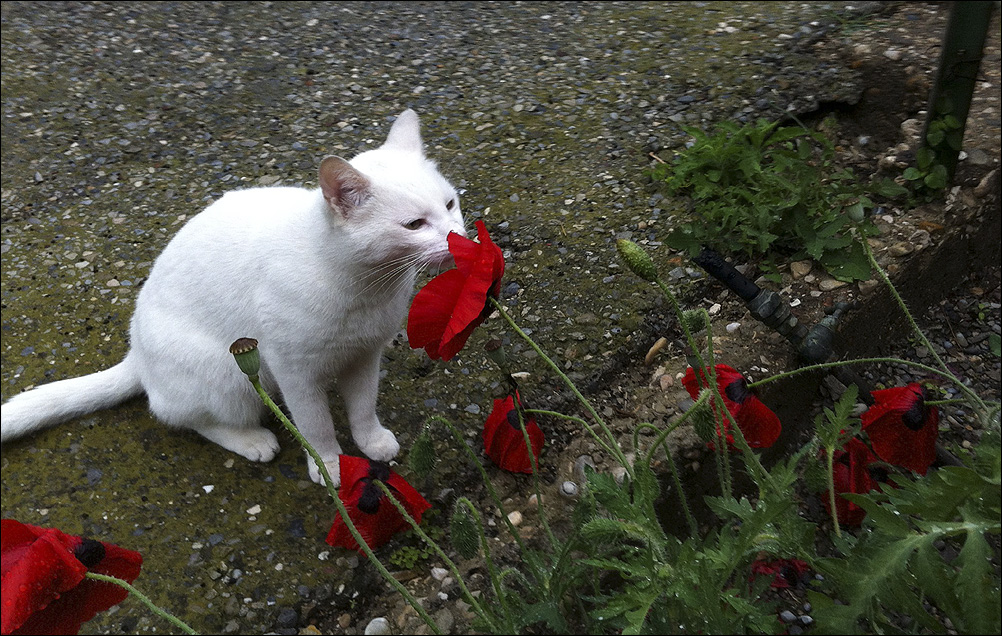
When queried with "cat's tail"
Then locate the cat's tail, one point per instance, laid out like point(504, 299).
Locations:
point(50, 404)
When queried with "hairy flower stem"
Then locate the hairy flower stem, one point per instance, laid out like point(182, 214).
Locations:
point(535, 473)
point(485, 546)
point(830, 473)
point(672, 466)
point(689, 338)
point(617, 451)
point(975, 399)
point(583, 422)
point(438, 550)
point(340, 506)
point(483, 476)
point(978, 403)
point(153, 607)
point(722, 451)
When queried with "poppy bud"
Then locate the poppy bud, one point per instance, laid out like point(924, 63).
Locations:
point(245, 353)
point(421, 458)
point(695, 320)
point(464, 530)
point(703, 421)
point(637, 260)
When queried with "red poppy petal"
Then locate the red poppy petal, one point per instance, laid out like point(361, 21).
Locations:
point(896, 444)
point(515, 456)
point(851, 475)
point(504, 444)
point(758, 423)
point(470, 302)
point(495, 420)
point(38, 574)
point(491, 251)
point(448, 348)
point(892, 440)
point(74, 607)
point(432, 310)
point(352, 470)
point(466, 252)
point(413, 502)
point(690, 383)
point(379, 527)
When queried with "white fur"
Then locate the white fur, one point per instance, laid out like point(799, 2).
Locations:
point(321, 278)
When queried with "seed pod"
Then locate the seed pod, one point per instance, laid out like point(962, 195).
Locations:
point(246, 354)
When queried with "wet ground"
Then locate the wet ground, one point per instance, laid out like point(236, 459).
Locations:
point(122, 120)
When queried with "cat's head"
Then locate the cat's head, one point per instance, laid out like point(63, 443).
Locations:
point(392, 201)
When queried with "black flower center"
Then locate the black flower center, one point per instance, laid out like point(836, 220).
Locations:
point(737, 391)
point(915, 417)
point(512, 418)
point(878, 473)
point(371, 495)
point(90, 553)
point(791, 575)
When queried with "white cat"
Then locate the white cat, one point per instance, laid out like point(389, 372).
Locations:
point(321, 278)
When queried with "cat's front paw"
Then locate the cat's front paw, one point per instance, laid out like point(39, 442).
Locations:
point(333, 469)
point(379, 444)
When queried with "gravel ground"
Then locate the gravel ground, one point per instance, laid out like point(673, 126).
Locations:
point(121, 120)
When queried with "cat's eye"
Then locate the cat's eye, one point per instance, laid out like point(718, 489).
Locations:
point(451, 204)
point(415, 224)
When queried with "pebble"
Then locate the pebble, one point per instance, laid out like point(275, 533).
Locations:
point(287, 617)
point(830, 284)
point(900, 249)
point(569, 489)
point(515, 517)
point(580, 464)
point(439, 573)
point(732, 327)
point(799, 269)
point(377, 627)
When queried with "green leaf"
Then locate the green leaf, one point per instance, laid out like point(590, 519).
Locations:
point(977, 589)
point(683, 241)
point(912, 173)
point(925, 158)
point(891, 189)
point(995, 344)
point(848, 264)
point(935, 136)
point(937, 179)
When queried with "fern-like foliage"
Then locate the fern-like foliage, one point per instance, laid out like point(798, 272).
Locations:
point(925, 554)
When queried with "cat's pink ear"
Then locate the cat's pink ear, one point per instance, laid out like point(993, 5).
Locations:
point(405, 134)
point(344, 187)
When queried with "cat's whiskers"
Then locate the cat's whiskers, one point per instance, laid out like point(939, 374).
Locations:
point(388, 276)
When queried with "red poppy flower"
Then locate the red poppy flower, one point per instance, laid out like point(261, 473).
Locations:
point(785, 572)
point(376, 518)
point(759, 425)
point(447, 310)
point(503, 439)
point(856, 470)
point(901, 428)
point(44, 587)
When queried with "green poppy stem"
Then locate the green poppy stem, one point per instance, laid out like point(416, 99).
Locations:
point(340, 506)
point(830, 462)
point(153, 607)
point(617, 451)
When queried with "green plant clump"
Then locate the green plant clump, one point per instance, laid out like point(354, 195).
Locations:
point(771, 192)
